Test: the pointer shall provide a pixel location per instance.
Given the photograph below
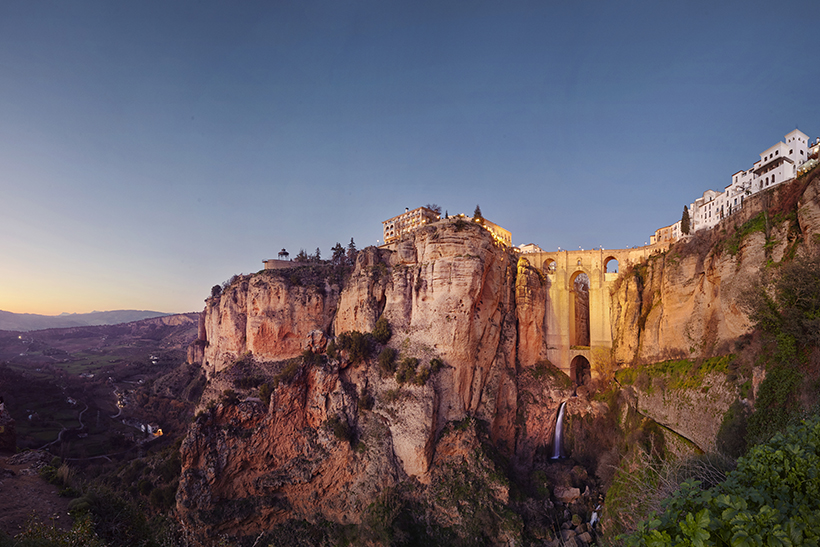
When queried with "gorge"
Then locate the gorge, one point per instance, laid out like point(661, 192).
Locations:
point(443, 427)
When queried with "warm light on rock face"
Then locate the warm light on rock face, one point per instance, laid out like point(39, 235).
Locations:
point(337, 434)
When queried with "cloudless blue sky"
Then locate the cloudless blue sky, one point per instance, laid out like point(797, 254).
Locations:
point(152, 149)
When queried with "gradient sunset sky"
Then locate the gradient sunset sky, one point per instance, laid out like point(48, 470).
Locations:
point(152, 149)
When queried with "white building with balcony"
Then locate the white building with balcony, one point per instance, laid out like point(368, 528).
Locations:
point(779, 163)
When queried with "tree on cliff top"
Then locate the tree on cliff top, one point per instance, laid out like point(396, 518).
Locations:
point(434, 207)
point(684, 221)
point(351, 251)
point(338, 253)
point(477, 214)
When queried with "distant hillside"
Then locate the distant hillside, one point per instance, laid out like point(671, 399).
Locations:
point(30, 321)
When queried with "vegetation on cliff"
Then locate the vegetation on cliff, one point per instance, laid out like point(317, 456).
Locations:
point(771, 498)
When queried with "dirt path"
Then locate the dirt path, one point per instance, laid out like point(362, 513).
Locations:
point(23, 493)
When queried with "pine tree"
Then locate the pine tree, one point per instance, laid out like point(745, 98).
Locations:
point(684, 221)
point(351, 251)
point(338, 253)
point(477, 213)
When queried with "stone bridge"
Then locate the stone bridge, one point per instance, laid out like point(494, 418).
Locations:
point(578, 333)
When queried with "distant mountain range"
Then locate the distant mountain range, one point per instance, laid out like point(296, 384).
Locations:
point(31, 321)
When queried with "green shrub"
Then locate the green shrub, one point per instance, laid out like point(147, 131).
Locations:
point(229, 397)
point(144, 486)
point(731, 438)
point(163, 498)
point(331, 350)
point(265, 392)
point(787, 307)
point(771, 498)
point(436, 365)
point(776, 404)
point(311, 359)
point(387, 360)
point(288, 373)
point(340, 428)
point(358, 345)
point(248, 382)
point(406, 370)
point(38, 534)
point(421, 376)
point(366, 401)
point(382, 331)
point(545, 369)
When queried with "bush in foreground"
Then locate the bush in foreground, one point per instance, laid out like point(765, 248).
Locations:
point(772, 498)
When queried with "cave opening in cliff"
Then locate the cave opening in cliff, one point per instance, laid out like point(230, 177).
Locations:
point(580, 370)
point(579, 313)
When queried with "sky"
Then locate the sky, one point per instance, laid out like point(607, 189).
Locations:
point(151, 149)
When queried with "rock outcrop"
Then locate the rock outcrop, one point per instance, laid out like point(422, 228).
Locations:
point(320, 448)
point(268, 315)
point(686, 302)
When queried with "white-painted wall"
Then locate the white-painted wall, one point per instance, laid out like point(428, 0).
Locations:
point(777, 164)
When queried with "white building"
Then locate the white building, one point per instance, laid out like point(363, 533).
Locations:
point(394, 228)
point(525, 248)
point(777, 164)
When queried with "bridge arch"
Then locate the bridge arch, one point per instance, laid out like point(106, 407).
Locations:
point(611, 264)
point(550, 265)
point(580, 370)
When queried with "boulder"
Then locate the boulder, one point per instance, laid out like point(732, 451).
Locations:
point(566, 495)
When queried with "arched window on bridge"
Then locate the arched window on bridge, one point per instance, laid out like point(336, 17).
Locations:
point(579, 312)
point(549, 265)
point(611, 265)
point(580, 371)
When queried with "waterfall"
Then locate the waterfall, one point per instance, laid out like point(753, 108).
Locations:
point(559, 432)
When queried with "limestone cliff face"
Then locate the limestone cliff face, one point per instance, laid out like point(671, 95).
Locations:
point(266, 314)
point(448, 292)
point(675, 306)
point(531, 312)
point(686, 302)
point(690, 412)
point(248, 466)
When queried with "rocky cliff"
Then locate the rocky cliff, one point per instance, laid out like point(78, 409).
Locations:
point(337, 433)
point(686, 302)
point(349, 423)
